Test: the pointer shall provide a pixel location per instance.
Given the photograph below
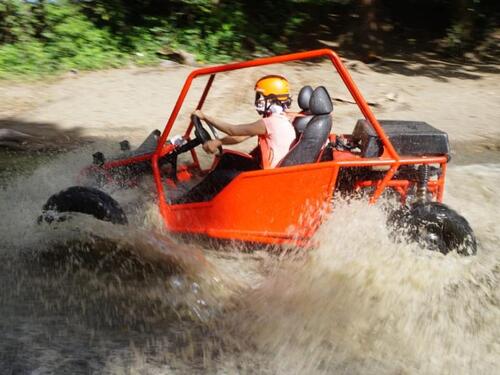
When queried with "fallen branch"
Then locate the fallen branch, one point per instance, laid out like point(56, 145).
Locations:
point(10, 135)
point(349, 101)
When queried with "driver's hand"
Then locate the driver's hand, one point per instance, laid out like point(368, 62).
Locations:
point(212, 146)
point(199, 114)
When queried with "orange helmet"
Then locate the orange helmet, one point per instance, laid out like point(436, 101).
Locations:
point(272, 89)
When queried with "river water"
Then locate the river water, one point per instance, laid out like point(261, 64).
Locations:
point(358, 304)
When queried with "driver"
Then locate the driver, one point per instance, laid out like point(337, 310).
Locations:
point(276, 133)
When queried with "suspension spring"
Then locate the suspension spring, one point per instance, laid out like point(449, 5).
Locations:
point(422, 182)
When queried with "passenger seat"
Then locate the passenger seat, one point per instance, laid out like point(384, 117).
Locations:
point(316, 129)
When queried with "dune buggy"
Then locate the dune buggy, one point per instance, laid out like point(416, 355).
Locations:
point(236, 199)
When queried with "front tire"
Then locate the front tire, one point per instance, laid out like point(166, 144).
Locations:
point(85, 200)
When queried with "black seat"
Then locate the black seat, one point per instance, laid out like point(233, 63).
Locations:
point(300, 122)
point(315, 134)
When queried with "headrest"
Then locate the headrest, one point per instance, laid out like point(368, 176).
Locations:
point(304, 97)
point(320, 102)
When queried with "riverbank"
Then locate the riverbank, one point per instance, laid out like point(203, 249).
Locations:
point(129, 103)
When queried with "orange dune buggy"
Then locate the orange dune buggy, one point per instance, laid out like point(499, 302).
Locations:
point(237, 199)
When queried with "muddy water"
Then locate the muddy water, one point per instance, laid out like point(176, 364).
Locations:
point(357, 304)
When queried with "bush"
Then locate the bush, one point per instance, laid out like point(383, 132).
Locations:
point(39, 37)
point(42, 38)
point(25, 59)
point(67, 40)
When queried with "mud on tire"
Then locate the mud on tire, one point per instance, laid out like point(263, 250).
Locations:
point(434, 226)
point(85, 200)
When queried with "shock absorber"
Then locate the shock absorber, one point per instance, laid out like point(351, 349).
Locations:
point(423, 180)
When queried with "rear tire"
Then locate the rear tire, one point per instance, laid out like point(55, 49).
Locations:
point(434, 226)
point(85, 200)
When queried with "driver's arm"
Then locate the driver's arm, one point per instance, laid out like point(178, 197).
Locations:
point(254, 128)
point(212, 145)
point(233, 139)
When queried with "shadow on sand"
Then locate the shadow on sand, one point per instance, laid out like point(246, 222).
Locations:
point(40, 136)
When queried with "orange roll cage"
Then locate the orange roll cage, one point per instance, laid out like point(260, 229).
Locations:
point(242, 212)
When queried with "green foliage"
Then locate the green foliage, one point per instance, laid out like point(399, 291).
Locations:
point(24, 58)
point(67, 40)
point(211, 38)
point(39, 37)
point(16, 21)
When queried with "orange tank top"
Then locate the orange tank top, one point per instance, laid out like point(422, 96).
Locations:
point(275, 144)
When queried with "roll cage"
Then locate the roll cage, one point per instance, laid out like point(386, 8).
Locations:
point(389, 157)
point(275, 215)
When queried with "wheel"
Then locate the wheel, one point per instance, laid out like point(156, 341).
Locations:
point(201, 133)
point(434, 226)
point(85, 200)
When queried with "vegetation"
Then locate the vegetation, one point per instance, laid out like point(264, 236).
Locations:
point(39, 37)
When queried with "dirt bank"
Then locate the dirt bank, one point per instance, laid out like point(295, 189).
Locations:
point(128, 103)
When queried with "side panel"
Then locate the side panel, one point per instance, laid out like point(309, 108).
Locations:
point(270, 206)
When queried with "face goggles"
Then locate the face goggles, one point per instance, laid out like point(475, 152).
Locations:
point(263, 103)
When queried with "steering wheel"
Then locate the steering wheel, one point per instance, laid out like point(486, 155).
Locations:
point(201, 133)
point(201, 136)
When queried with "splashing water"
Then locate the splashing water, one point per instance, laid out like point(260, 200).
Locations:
point(358, 303)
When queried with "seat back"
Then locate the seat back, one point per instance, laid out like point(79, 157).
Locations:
point(313, 138)
point(300, 122)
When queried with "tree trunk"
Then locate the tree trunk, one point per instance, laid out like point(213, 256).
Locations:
point(366, 36)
